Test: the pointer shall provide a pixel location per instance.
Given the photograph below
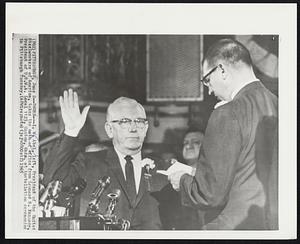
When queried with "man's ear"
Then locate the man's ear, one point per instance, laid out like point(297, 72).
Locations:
point(146, 128)
point(109, 130)
point(224, 71)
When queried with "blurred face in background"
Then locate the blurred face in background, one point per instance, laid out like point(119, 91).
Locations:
point(191, 145)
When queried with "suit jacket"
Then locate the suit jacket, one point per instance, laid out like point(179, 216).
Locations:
point(65, 166)
point(174, 216)
point(226, 184)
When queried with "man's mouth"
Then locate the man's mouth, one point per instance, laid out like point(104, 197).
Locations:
point(133, 138)
point(190, 150)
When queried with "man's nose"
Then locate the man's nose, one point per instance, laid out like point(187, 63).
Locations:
point(133, 126)
point(190, 145)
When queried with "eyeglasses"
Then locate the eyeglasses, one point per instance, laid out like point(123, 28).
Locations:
point(125, 123)
point(205, 80)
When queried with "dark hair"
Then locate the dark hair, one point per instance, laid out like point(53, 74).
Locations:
point(193, 129)
point(228, 51)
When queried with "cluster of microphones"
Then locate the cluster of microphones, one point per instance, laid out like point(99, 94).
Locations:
point(54, 201)
point(109, 219)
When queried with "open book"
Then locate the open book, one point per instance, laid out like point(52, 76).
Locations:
point(177, 166)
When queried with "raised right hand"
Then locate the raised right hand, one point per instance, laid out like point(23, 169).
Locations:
point(73, 119)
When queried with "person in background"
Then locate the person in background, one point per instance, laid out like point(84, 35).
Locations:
point(191, 146)
point(226, 184)
point(176, 216)
point(190, 218)
point(127, 125)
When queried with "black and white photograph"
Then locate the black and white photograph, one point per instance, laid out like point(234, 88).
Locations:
point(95, 84)
point(161, 131)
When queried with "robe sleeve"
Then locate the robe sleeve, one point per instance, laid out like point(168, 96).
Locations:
point(216, 166)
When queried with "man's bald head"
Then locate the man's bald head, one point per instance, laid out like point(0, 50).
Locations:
point(120, 103)
point(228, 51)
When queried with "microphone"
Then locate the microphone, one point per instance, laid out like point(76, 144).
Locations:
point(113, 199)
point(44, 195)
point(56, 189)
point(41, 189)
point(115, 194)
point(96, 194)
point(101, 186)
point(52, 190)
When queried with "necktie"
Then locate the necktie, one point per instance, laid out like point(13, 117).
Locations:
point(130, 182)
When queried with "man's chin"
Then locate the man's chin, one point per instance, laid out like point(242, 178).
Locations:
point(134, 147)
point(190, 157)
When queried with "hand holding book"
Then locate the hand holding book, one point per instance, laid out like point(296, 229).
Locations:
point(177, 166)
point(176, 171)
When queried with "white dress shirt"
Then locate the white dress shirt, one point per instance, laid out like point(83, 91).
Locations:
point(137, 167)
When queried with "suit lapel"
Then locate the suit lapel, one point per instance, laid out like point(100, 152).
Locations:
point(115, 166)
point(142, 188)
point(143, 185)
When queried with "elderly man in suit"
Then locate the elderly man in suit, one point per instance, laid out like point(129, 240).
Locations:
point(126, 125)
point(240, 136)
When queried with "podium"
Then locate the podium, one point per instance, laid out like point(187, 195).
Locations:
point(77, 223)
point(71, 223)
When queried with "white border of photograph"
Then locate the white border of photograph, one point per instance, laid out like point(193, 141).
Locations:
point(98, 18)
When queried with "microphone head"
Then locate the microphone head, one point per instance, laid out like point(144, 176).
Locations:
point(44, 196)
point(105, 181)
point(56, 188)
point(115, 194)
point(102, 185)
point(41, 189)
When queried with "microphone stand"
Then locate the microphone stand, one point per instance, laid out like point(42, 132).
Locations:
point(111, 222)
point(93, 206)
point(109, 219)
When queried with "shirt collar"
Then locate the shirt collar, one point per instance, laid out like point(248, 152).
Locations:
point(233, 94)
point(220, 104)
point(136, 158)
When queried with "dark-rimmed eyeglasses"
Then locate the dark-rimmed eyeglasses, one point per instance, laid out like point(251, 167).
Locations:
point(125, 123)
point(205, 80)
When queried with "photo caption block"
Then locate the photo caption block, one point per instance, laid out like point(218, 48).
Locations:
point(26, 71)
